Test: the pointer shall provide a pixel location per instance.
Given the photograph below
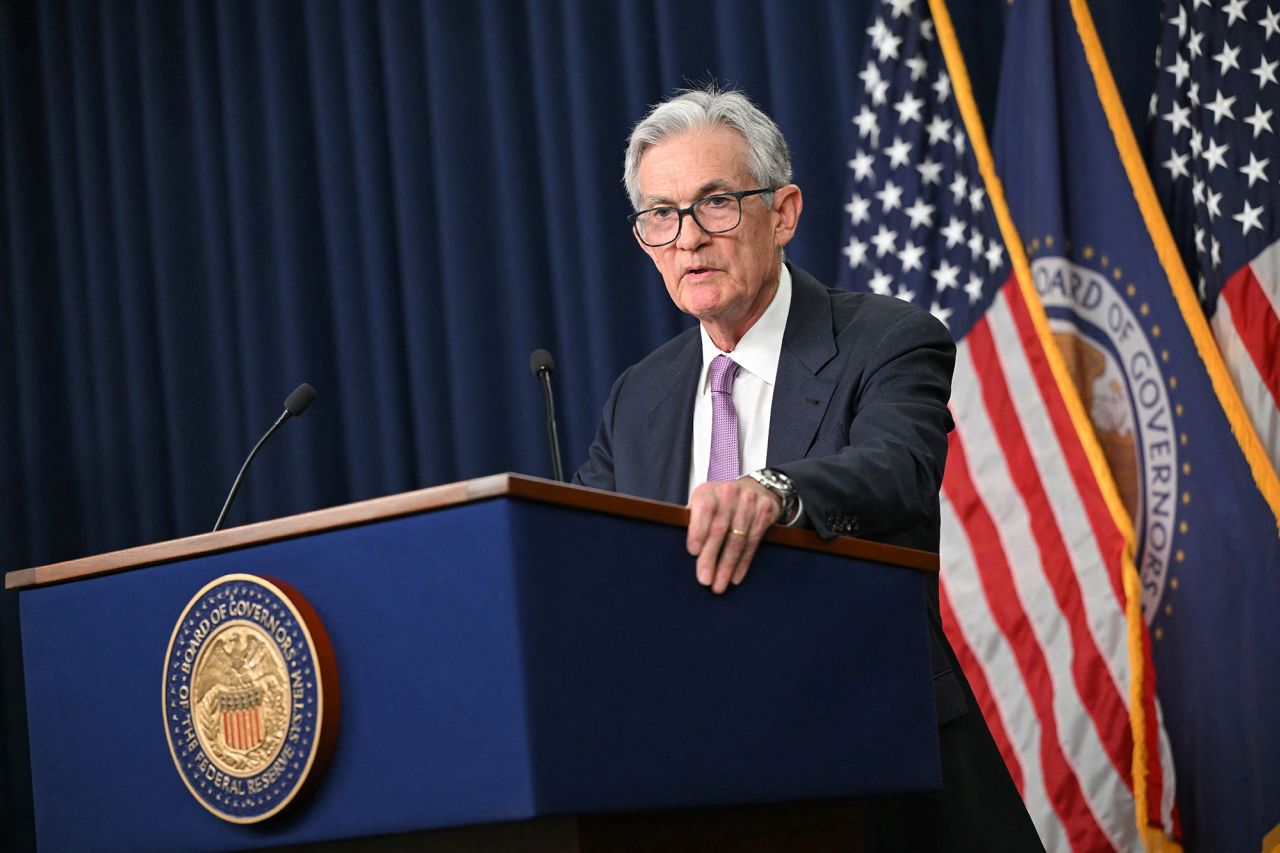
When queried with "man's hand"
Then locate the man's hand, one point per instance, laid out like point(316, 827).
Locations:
point(726, 521)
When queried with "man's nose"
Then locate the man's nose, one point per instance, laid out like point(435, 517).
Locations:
point(691, 235)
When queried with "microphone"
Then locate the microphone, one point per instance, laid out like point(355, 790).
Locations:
point(543, 365)
point(294, 406)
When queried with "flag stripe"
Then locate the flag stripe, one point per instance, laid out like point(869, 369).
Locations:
point(998, 524)
point(1098, 560)
point(1078, 678)
point(1093, 678)
point(1248, 333)
point(989, 664)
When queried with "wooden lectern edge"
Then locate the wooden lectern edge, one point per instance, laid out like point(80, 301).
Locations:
point(427, 500)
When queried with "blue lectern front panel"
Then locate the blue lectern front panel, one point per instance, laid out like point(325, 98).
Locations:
point(497, 661)
point(422, 620)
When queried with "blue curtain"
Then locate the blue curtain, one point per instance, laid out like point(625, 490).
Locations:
point(205, 203)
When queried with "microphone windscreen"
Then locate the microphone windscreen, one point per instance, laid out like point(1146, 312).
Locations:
point(300, 399)
point(541, 360)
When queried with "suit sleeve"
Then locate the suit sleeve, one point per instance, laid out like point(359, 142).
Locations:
point(597, 472)
point(893, 420)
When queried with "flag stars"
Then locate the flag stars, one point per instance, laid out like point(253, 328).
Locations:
point(856, 252)
point(920, 214)
point(890, 196)
point(1213, 155)
point(905, 294)
point(994, 255)
point(958, 141)
point(1213, 203)
point(1235, 11)
point(1221, 106)
point(1193, 44)
point(1265, 72)
point(863, 165)
point(911, 256)
point(1256, 170)
point(909, 108)
point(959, 187)
point(1177, 165)
point(942, 86)
point(1178, 117)
point(973, 288)
point(1180, 69)
point(1270, 23)
point(881, 283)
point(859, 209)
point(901, 8)
point(899, 152)
point(1260, 120)
point(1215, 251)
point(946, 275)
point(1249, 218)
point(870, 76)
point(1227, 59)
point(954, 232)
point(938, 129)
point(885, 240)
point(867, 124)
point(888, 47)
point(975, 243)
point(918, 65)
point(930, 172)
point(975, 198)
point(942, 314)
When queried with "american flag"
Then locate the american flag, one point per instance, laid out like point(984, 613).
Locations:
point(1215, 161)
point(1033, 554)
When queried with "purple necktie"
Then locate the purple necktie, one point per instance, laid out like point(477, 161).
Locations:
point(724, 421)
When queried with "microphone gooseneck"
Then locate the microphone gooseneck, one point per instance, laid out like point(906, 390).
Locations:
point(294, 406)
point(543, 365)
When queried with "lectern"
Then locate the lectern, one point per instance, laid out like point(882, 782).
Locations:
point(519, 660)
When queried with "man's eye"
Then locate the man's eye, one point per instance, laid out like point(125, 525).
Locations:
point(662, 212)
point(714, 201)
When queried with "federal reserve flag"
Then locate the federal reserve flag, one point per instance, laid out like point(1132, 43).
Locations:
point(1040, 597)
point(1187, 462)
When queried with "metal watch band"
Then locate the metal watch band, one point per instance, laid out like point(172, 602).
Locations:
point(780, 484)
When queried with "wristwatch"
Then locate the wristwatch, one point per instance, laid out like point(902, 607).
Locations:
point(780, 484)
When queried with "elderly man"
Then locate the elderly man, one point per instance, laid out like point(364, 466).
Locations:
point(789, 403)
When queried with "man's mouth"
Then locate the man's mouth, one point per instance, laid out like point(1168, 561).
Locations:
point(696, 273)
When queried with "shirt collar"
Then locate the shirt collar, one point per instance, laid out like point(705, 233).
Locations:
point(758, 350)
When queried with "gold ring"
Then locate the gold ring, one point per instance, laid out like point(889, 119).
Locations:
point(736, 532)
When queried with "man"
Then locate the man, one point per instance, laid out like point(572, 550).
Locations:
point(790, 403)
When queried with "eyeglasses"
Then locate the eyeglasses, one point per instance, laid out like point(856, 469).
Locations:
point(715, 214)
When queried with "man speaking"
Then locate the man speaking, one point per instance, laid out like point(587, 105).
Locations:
point(790, 403)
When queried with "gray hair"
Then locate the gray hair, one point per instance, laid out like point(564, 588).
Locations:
point(768, 159)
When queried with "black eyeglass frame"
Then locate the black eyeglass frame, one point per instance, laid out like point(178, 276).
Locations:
point(682, 211)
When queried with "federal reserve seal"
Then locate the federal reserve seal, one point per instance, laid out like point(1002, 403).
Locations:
point(250, 697)
point(1113, 352)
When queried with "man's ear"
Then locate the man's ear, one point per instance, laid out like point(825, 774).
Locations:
point(787, 204)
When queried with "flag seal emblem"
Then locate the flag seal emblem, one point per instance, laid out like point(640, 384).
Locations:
point(1114, 356)
point(250, 697)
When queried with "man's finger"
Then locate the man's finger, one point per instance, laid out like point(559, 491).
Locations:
point(739, 534)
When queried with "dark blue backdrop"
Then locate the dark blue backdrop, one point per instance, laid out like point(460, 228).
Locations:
point(207, 203)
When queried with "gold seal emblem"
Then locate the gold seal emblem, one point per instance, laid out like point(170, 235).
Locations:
point(250, 696)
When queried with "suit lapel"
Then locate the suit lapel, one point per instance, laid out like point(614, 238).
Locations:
point(668, 443)
point(800, 396)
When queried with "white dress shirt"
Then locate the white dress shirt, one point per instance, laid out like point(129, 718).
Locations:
point(757, 355)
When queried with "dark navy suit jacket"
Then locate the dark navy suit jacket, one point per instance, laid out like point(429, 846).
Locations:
point(859, 422)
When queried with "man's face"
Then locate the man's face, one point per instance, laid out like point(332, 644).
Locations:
point(725, 280)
